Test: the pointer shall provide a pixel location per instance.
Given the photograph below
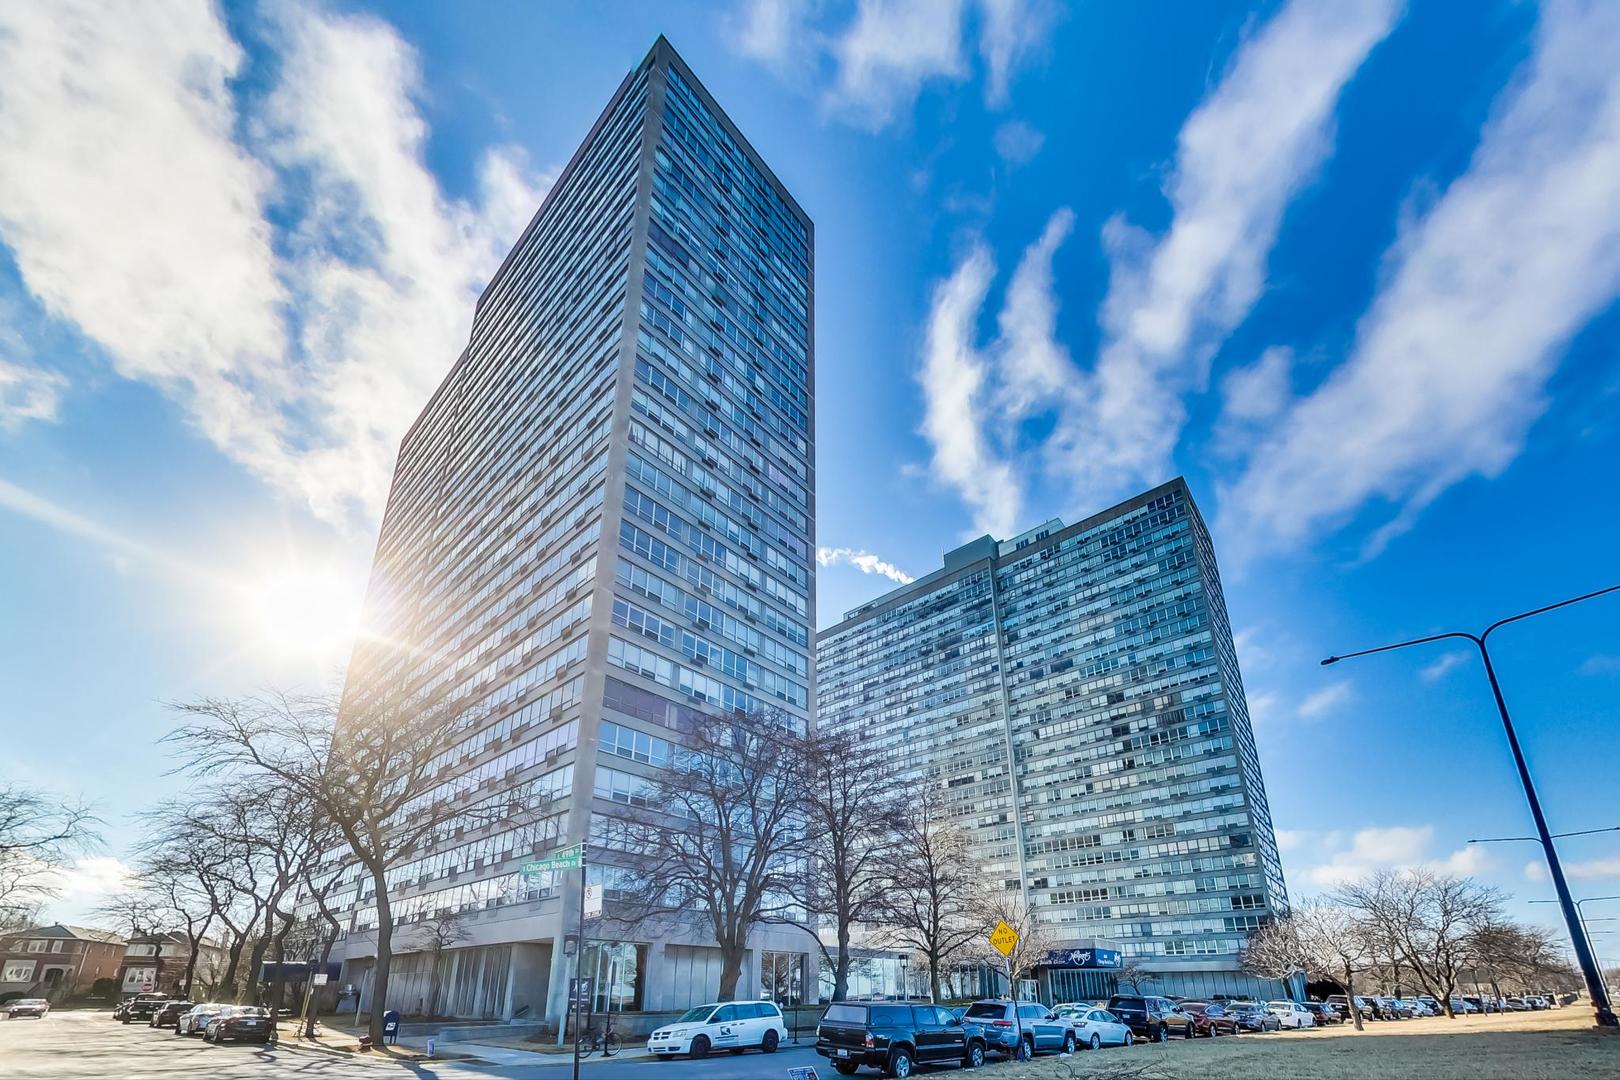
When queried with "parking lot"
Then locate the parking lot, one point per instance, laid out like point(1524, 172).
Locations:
point(1558, 1045)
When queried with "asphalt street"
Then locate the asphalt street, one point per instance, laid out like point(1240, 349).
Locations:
point(90, 1046)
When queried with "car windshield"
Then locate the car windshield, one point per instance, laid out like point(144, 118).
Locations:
point(30, 1001)
point(987, 1009)
point(697, 1015)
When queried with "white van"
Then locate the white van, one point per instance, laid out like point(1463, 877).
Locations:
point(724, 1025)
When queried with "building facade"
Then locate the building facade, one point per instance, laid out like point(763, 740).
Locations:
point(1075, 693)
point(603, 520)
point(57, 962)
point(158, 963)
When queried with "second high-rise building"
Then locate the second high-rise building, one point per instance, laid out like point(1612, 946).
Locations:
point(1075, 695)
point(604, 518)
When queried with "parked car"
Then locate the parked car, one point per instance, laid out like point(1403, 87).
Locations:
point(1416, 1006)
point(242, 1023)
point(167, 1014)
point(1324, 1013)
point(1514, 1004)
point(1005, 1022)
point(1291, 1014)
point(1461, 1006)
point(723, 1025)
point(1094, 1026)
point(1365, 1006)
point(1393, 1008)
point(142, 1007)
point(1211, 1019)
point(195, 1019)
point(1252, 1016)
point(35, 1007)
point(1150, 1017)
point(121, 1010)
point(895, 1038)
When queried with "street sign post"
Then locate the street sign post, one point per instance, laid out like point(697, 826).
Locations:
point(593, 900)
point(568, 858)
point(1004, 939)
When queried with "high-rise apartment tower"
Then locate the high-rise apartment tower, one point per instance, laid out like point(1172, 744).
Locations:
point(1075, 694)
point(605, 516)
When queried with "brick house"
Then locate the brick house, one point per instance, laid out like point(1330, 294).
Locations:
point(57, 962)
point(157, 962)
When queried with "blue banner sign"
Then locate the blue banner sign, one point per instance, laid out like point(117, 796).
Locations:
point(1085, 958)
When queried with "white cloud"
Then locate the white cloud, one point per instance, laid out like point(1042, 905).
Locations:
point(1259, 391)
point(885, 55)
point(1262, 709)
point(1032, 364)
point(1590, 869)
point(1292, 839)
point(1017, 143)
point(953, 381)
point(1397, 847)
point(1439, 669)
point(891, 49)
point(28, 393)
point(138, 210)
point(1451, 361)
point(93, 878)
point(1330, 697)
point(1242, 156)
point(1600, 664)
point(864, 561)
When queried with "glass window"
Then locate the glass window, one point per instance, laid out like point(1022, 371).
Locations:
point(845, 1014)
point(726, 1014)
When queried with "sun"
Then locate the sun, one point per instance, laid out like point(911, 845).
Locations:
point(302, 613)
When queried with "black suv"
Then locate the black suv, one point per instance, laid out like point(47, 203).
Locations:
point(143, 1007)
point(169, 1014)
point(894, 1038)
point(1150, 1017)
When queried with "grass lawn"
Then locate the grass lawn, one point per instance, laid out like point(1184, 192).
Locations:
point(1559, 1044)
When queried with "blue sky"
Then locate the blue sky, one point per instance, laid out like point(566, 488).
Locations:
point(1349, 267)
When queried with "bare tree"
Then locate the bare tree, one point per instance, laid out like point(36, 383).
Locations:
point(443, 931)
point(935, 900)
point(1317, 939)
point(1428, 919)
point(852, 815)
point(375, 767)
point(1135, 976)
point(38, 834)
point(1034, 940)
point(137, 911)
point(721, 837)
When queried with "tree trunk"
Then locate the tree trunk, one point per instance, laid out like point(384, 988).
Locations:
point(385, 957)
point(841, 966)
point(731, 958)
point(194, 940)
point(260, 947)
point(326, 956)
point(1350, 993)
point(278, 986)
point(238, 941)
point(933, 975)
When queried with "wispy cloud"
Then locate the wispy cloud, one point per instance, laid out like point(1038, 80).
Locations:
point(286, 269)
point(864, 561)
point(1441, 667)
point(1601, 664)
point(1243, 155)
point(28, 393)
point(1017, 143)
point(1451, 362)
point(954, 392)
point(883, 57)
point(1324, 701)
point(1586, 870)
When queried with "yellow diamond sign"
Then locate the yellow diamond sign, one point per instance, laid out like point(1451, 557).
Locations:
point(1004, 938)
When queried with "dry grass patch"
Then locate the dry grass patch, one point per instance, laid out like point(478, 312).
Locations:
point(1555, 1045)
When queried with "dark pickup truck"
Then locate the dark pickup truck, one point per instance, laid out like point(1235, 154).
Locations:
point(895, 1038)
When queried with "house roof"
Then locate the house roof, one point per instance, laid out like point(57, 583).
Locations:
point(62, 930)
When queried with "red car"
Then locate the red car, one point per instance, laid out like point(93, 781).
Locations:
point(1210, 1020)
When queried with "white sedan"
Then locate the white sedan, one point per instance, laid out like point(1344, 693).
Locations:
point(1291, 1014)
point(1095, 1028)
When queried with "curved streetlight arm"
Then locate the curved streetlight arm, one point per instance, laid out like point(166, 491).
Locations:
point(1549, 607)
point(1403, 645)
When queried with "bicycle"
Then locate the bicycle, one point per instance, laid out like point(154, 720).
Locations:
point(593, 1039)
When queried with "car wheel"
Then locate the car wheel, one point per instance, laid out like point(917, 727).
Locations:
point(1130, 1039)
point(1096, 1041)
point(975, 1056)
point(1029, 1048)
point(1214, 1031)
point(899, 1064)
point(700, 1047)
point(1162, 1034)
point(1189, 1032)
point(1068, 1042)
point(770, 1042)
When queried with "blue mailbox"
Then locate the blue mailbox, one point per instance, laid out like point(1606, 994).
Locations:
point(391, 1025)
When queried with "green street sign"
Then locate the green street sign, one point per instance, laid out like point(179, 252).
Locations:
point(568, 858)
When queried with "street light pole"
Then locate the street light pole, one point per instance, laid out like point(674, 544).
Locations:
point(1580, 911)
point(1583, 950)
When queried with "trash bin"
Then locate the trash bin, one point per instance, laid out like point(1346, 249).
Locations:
point(391, 1026)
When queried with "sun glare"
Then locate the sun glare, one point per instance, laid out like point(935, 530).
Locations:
point(303, 613)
